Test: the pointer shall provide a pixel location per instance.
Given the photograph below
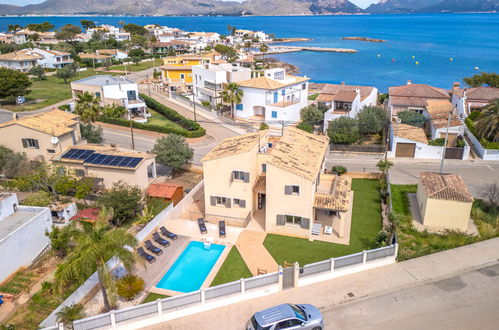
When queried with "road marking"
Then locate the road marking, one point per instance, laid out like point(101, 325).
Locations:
point(490, 167)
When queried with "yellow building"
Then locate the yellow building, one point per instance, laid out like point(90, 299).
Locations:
point(177, 70)
point(444, 201)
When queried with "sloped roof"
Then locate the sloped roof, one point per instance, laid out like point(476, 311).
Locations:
point(89, 215)
point(482, 93)
point(446, 186)
point(440, 121)
point(21, 55)
point(234, 146)
point(409, 132)
point(339, 199)
point(345, 96)
point(162, 190)
point(332, 89)
point(54, 122)
point(418, 90)
point(270, 84)
point(436, 106)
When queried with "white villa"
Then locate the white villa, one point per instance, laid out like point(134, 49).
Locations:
point(110, 32)
point(53, 59)
point(273, 98)
point(466, 100)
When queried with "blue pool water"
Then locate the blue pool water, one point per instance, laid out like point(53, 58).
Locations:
point(191, 268)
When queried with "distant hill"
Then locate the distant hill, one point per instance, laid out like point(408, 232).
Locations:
point(398, 6)
point(462, 6)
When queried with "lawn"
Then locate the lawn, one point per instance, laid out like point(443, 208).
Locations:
point(313, 97)
point(233, 269)
point(136, 67)
point(153, 297)
point(158, 119)
point(366, 224)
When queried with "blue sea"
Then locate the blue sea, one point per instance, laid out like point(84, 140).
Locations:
point(432, 40)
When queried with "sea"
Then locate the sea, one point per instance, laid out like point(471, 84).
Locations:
point(435, 49)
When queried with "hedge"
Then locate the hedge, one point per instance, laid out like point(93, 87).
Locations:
point(486, 144)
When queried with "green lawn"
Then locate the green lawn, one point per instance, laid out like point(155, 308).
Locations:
point(366, 224)
point(400, 203)
point(137, 67)
point(158, 119)
point(153, 297)
point(233, 269)
point(313, 97)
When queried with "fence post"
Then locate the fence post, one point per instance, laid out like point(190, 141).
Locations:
point(332, 264)
point(296, 274)
point(364, 257)
point(60, 326)
point(160, 308)
point(113, 319)
point(203, 297)
point(280, 278)
point(396, 250)
point(243, 286)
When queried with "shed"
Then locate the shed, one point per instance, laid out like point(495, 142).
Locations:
point(169, 192)
point(89, 215)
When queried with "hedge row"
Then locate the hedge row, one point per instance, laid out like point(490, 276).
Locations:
point(486, 144)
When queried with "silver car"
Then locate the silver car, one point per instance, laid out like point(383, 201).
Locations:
point(287, 316)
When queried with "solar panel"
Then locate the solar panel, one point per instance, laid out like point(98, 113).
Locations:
point(134, 162)
point(97, 159)
point(108, 160)
point(116, 160)
point(69, 154)
point(92, 157)
point(85, 154)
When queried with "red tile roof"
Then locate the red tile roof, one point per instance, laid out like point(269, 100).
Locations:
point(162, 190)
point(87, 215)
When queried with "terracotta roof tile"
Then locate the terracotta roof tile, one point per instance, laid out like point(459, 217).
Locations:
point(234, 146)
point(162, 190)
point(482, 93)
point(21, 55)
point(409, 132)
point(270, 84)
point(445, 186)
point(345, 96)
point(54, 122)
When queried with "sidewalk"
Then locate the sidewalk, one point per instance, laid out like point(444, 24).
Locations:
point(326, 294)
point(254, 254)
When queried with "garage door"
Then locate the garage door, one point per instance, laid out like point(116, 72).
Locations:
point(405, 150)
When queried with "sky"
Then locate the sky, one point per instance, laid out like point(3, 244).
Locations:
point(360, 3)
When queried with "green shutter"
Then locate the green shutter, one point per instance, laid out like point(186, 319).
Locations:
point(305, 223)
point(25, 143)
point(213, 200)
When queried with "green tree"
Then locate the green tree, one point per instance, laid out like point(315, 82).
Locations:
point(123, 199)
point(95, 244)
point(91, 133)
point(173, 151)
point(411, 118)
point(129, 286)
point(384, 165)
point(136, 55)
point(264, 48)
point(66, 73)
point(371, 120)
point(113, 111)
point(135, 29)
point(38, 71)
point(35, 37)
point(69, 314)
point(42, 27)
point(247, 45)
point(14, 83)
point(83, 187)
point(13, 164)
point(344, 130)
point(68, 32)
point(227, 53)
point(232, 94)
point(87, 24)
point(483, 79)
point(339, 169)
point(487, 123)
point(312, 115)
point(60, 238)
point(14, 27)
point(88, 107)
point(39, 198)
point(304, 126)
point(138, 41)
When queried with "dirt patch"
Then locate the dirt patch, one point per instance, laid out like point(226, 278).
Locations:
point(187, 179)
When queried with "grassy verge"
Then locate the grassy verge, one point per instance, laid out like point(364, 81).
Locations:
point(233, 269)
point(160, 120)
point(19, 282)
point(366, 224)
point(136, 67)
point(153, 297)
point(313, 97)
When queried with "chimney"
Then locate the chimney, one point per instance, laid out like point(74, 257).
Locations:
point(357, 91)
point(456, 84)
point(14, 116)
point(409, 82)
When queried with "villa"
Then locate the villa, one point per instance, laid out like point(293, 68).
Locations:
point(22, 60)
point(116, 54)
point(53, 59)
point(467, 100)
point(110, 31)
point(277, 182)
point(177, 70)
point(413, 97)
point(272, 98)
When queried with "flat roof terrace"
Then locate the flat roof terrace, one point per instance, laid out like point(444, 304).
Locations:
point(15, 221)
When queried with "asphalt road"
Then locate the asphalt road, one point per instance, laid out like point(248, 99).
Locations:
point(465, 301)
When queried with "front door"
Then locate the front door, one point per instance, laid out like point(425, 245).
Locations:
point(261, 201)
point(276, 97)
point(288, 278)
point(132, 95)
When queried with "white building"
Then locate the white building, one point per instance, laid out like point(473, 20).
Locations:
point(247, 34)
point(22, 60)
point(165, 37)
point(472, 99)
point(53, 59)
point(208, 79)
point(273, 98)
point(116, 54)
point(345, 100)
point(22, 234)
point(110, 31)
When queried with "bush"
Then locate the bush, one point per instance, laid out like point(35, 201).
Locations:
point(307, 127)
point(371, 120)
point(129, 286)
point(65, 107)
point(412, 118)
point(206, 104)
point(39, 198)
point(382, 239)
point(311, 115)
point(313, 97)
point(474, 115)
point(340, 169)
point(93, 134)
point(263, 126)
point(343, 130)
point(437, 142)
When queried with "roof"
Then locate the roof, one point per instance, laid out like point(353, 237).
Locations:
point(21, 55)
point(271, 84)
point(332, 89)
point(440, 121)
point(260, 183)
point(54, 52)
point(95, 56)
point(482, 93)
point(109, 51)
point(162, 190)
point(345, 96)
point(300, 153)
point(418, 90)
point(103, 80)
point(54, 122)
point(176, 67)
point(325, 98)
point(18, 219)
point(234, 146)
point(436, 106)
point(410, 132)
point(445, 186)
point(339, 199)
point(274, 314)
point(87, 214)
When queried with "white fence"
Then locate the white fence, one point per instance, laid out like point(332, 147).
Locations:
point(485, 154)
point(205, 299)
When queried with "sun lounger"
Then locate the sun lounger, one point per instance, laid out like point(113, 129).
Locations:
point(151, 247)
point(168, 234)
point(202, 226)
point(221, 229)
point(160, 240)
point(146, 255)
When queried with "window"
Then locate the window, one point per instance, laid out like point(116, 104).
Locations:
point(274, 114)
point(182, 76)
point(239, 106)
point(221, 200)
point(304, 86)
point(288, 324)
point(239, 202)
point(30, 143)
point(238, 175)
point(51, 151)
point(79, 172)
point(296, 189)
point(292, 190)
point(264, 168)
point(293, 219)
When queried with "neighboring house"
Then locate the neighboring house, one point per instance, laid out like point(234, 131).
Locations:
point(22, 234)
point(276, 182)
point(444, 201)
point(53, 59)
point(62, 212)
point(22, 60)
point(110, 31)
point(113, 90)
point(209, 79)
point(438, 128)
point(167, 192)
point(472, 99)
point(109, 165)
point(6, 38)
point(48, 38)
point(345, 100)
point(177, 70)
point(410, 141)
point(413, 97)
point(165, 37)
point(114, 53)
point(95, 58)
point(248, 34)
point(41, 135)
point(174, 45)
point(273, 97)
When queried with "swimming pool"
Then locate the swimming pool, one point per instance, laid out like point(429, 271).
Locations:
point(191, 268)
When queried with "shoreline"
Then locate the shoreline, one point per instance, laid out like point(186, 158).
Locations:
point(365, 39)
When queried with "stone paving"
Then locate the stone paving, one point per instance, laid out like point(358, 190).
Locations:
point(254, 254)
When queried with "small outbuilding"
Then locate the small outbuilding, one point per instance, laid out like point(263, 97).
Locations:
point(444, 201)
point(88, 215)
point(168, 192)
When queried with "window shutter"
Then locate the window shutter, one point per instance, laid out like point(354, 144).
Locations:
point(305, 223)
point(227, 202)
point(25, 143)
point(213, 200)
point(281, 220)
point(232, 176)
point(242, 203)
point(288, 190)
point(246, 177)
point(36, 144)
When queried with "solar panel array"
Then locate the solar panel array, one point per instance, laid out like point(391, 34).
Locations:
point(95, 158)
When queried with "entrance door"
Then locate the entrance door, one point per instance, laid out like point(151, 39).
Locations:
point(132, 95)
point(405, 150)
point(261, 201)
point(276, 97)
point(287, 278)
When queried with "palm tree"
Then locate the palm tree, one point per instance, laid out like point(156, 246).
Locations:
point(69, 314)
point(96, 243)
point(232, 94)
point(487, 124)
point(264, 48)
point(87, 107)
point(247, 45)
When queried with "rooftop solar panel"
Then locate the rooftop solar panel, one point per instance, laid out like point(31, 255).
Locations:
point(68, 154)
point(116, 160)
point(91, 158)
point(85, 154)
point(134, 162)
point(97, 159)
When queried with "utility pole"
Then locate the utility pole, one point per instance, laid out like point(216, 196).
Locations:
point(194, 105)
point(131, 130)
point(445, 142)
point(148, 86)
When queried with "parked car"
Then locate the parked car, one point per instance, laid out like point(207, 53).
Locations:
point(287, 316)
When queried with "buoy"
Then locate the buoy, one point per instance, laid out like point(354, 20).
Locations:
point(451, 59)
point(477, 68)
point(393, 60)
point(379, 55)
point(413, 57)
point(417, 63)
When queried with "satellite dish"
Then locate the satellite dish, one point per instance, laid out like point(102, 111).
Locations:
point(54, 139)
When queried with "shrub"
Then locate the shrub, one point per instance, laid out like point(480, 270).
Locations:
point(206, 104)
point(437, 142)
point(371, 120)
point(412, 118)
point(474, 115)
point(343, 130)
point(39, 198)
point(65, 107)
point(311, 115)
point(263, 126)
point(382, 239)
point(129, 286)
point(172, 151)
point(307, 127)
point(340, 169)
point(313, 97)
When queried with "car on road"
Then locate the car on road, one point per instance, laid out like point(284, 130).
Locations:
point(287, 316)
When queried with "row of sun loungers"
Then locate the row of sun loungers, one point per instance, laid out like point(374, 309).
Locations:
point(153, 248)
point(203, 230)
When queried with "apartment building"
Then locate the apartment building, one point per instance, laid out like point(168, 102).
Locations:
point(177, 70)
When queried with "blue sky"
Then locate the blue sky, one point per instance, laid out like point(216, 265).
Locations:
point(360, 3)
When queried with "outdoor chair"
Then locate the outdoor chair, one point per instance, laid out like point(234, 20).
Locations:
point(154, 249)
point(221, 229)
point(146, 255)
point(202, 226)
point(168, 234)
point(160, 240)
